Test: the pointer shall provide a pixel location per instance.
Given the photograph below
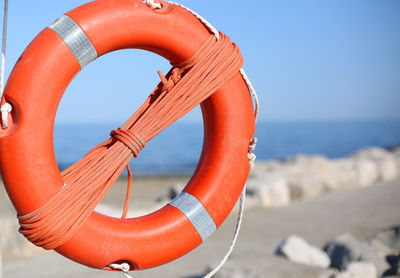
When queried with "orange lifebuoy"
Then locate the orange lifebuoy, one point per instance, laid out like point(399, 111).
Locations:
point(34, 89)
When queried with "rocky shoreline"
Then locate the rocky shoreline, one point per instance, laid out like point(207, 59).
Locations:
point(347, 256)
point(278, 183)
point(272, 186)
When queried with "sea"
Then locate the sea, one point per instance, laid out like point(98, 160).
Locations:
point(177, 149)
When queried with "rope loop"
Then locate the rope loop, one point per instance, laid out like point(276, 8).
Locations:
point(253, 144)
point(251, 156)
point(124, 267)
point(129, 138)
point(5, 109)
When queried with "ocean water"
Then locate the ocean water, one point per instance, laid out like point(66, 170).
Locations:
point(177, 149)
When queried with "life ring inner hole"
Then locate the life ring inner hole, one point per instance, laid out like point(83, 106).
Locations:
point(101, 98)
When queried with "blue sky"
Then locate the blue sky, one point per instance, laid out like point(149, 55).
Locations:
point(309, 60)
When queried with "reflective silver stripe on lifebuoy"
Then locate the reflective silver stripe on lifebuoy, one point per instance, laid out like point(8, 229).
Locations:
point(77, 41)
point(196, 213)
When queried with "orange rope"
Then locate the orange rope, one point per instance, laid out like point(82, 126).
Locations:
point(186, 85)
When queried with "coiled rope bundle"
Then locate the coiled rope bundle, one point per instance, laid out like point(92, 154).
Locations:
point(185, 86)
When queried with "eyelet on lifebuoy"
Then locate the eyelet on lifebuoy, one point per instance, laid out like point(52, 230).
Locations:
point(27, 160)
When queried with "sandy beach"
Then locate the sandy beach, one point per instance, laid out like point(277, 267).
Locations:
point(362, 212)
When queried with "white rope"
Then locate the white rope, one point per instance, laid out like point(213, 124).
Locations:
point(152, 4)
point(124, 267)
point(252, 146)
point(252, 91)
point(235, 236)
point(3, 48)
point(6, 108)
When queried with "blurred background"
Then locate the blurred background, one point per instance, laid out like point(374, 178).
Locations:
point(327, 75)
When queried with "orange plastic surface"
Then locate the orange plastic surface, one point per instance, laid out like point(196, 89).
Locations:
point(35, 88)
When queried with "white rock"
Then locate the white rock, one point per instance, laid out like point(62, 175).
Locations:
point(374, 153)
point(358, 270)
point(261, 168)
point(298, 250)
point(308, 161)
point(310, 176)
point(327, 172)
point(388, 169)
point(367, 171)
point(346, 172)
point(380, 248)
point(303, 184)
point(391, 238)
point(385, 162)
point(345, 248)
point(175, 190)
point(270, 191)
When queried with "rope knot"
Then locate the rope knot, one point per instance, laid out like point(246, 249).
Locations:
point(173, 79)
point(251, 156)
point(129, 138)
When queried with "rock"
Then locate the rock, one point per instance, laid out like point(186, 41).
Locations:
point(346, 172)
point(312, 162)
point(346, 248)
point(385, 161)
point(298, 250)
point(380, 248)
point(358, 270)
point(339, 254)
point(388, 169)
point(395, 150)
point(374, 153)
point(366, 170)
point(270, 191)
point(394, 262)
point(175, 190)
point(304, 185)
point(261, 168)
point(311, 176)
point(391, 238)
